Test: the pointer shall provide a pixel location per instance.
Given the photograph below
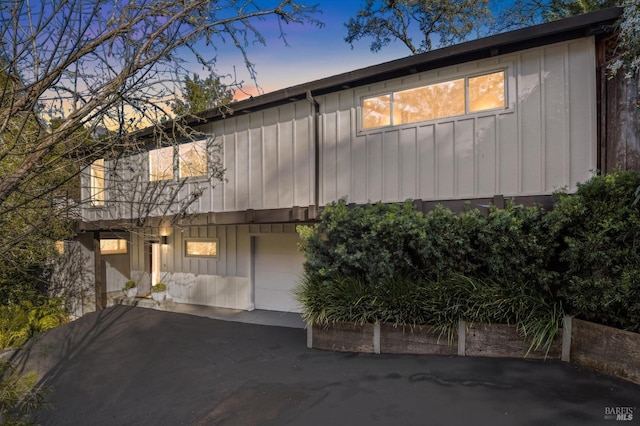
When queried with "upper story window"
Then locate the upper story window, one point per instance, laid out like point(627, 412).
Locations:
point(96, 189)
point(191, 161)
point(434, 101)
point(161, 164)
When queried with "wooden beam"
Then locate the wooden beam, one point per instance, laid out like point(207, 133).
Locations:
point(99, 284)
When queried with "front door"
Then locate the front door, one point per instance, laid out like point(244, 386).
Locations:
point(156, 258)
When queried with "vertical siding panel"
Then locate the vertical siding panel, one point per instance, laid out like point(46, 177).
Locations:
point(270, 159)
point(374, 167)
point(230, 186)
point(427, 165)
point(359, 169)
point(285, 156)
point(583, 110)
point(232, 253)
point(486, 154)
point(408, 164)
point(243, 250)
point(555, 117)
point(464, 158)
point(391, 166)
point(444, 141)
point(329, 150)
point(529, 95)
point(222, 233)
point(509, 154)
point(242, 163)
point(213, 266)
point(303, 152)
point(256, 192)
point(343, 146)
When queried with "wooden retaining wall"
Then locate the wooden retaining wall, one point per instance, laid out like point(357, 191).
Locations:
point(605, 349)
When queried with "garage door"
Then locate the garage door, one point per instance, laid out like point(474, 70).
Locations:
point(277, 269)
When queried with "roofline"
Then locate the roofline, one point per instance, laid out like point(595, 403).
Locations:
point(574, 27)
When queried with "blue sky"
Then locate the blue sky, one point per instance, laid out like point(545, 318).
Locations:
point(312, 53)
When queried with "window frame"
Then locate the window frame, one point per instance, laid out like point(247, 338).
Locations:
point(504, 67)
point(97, 197)
point(176, 161)
point(179, 158)
point(216, 241)
point(117, 251)
point(155, 152)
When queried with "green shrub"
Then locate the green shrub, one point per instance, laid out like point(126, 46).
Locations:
point(19, 396)
point(159, 288)
point(440, 304)
point(524, 266)
point(596, 234)
point(129, 285)
point(379, 242)
point(19, 322)
point(372, 242)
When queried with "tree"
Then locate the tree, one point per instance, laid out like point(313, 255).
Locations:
point(438, 23)
point(201, 95)
point(91, 65)
point(434, 23)
point(628, 27)
point(523, 13)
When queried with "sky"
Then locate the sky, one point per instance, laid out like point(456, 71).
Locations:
point(311, 52)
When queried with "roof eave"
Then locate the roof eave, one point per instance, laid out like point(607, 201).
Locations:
point(593, 23)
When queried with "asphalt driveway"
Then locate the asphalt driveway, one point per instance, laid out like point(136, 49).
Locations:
point(136, 366)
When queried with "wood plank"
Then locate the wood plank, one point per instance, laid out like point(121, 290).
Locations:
point(500, 340)
point(606, 349)
point(344, 337)
point(417, 340)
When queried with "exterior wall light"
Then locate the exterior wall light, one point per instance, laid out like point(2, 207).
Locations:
point(164, 240)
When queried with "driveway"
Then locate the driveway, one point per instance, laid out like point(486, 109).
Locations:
point(135, 366)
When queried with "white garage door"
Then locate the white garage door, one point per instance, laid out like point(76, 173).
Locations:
point(277, 269)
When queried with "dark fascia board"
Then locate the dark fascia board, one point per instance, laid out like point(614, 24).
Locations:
point(593, 23)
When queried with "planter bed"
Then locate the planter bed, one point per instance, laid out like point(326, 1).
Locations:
point(500, 340)
point(490, 340)
point(606, 349)
point(344, 337)
point(597, 347)
point(415, 340)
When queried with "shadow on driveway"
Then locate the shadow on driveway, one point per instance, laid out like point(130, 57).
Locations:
point(136, 366)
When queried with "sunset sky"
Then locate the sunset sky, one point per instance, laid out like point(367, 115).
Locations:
point(312, 53)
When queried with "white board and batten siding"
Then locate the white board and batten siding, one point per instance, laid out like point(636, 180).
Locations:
point(268, 160)
point(544, 140)
point(258, 266)
point(268, 157)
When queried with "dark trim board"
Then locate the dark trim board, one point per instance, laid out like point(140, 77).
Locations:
point(298, 214)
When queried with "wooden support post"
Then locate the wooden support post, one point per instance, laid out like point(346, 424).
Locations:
point(462, 335)
point(376, 338)
point(566, 338)
point(99, 287)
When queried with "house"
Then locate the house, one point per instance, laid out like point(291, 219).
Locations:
point(516, 115)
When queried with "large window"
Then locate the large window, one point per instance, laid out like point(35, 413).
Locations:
point(161, 164)
point(439, 100)
point(201, 247)
point(97, 183)
point(191, 161)
point(113, 246)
